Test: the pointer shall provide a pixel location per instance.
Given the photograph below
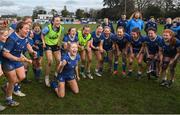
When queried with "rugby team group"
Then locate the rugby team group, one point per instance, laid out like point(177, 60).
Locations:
point(159, 53)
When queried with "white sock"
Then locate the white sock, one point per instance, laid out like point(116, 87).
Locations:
point(9, 98)
point(56, 74)
point(139, 72)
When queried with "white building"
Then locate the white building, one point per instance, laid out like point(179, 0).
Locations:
point(45, 16)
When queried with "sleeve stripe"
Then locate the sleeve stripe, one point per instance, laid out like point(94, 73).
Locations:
point(6, 50)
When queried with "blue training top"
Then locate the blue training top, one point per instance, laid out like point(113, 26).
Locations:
point(135, 24)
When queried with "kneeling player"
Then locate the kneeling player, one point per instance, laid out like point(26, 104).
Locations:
point(68, 72)
point(170, 51)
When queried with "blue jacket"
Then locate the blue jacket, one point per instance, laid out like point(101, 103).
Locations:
point(134, 24)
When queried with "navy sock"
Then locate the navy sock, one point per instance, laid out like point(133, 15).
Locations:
point(124, 67)
point(54, 84)
point(82, 69)
point(38, 73)
point(115, 66)
point(16, 87)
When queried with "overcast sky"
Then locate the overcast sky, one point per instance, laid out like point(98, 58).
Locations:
point(25, 7)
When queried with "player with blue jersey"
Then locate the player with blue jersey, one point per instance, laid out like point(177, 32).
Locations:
point(152, 45)
point(150, 24)
point(168, 24)
point(37, 45)
point(122, 41)
point(12, 59)
point(13, 25)
point(136, 51)
point(107, 46)
point(17, 89)
point(69, 38)
point(95, 45)
point(170, 52)
point(68, 72)
point(176, 29)
point(109, 24)
point(122, 22)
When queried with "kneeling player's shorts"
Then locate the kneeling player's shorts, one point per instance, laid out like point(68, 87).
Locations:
point(63, 78)
point(53, 48)
point(11, 65)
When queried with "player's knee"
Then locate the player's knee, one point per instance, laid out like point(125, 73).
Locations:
point(90, 60)
point(139, 61)
point(100, 59)
point(76, 91)
point(49, 62)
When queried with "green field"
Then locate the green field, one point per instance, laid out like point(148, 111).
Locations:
point(108, 94)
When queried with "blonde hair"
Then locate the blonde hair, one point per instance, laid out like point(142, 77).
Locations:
point(168, 20)
point(3, 29)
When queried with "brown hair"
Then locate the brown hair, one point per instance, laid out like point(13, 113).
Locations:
point(119, 28)
point(137, 31)
point(26, 17)
point(36, 24)
point(20, 25)
point(153, 29)
point(69, 30)
point(86, 26)
point(172, 34)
